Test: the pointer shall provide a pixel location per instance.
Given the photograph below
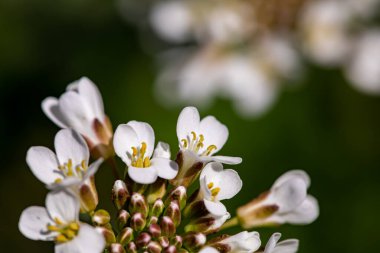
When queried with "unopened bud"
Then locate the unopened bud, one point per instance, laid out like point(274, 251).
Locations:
point(108, 234)
point(177, 241)
point(194, 241)
point(153, 220)
point(101, 217)
point(156, 190)
point(173, 211)
point(120, 194)
point(154, 247)
point(155, 230)
point(189, 167)
point(167, 226)
point(131, 248)
point(122, 218)
point(138, 222)
point(125, 236)
point(116, 248)
point(195, 209)
point(157, 208)
point(171, 249)
point(143, 240)
point(179, 194)
point(138, 205)
point(164, 241)
point(88, 196)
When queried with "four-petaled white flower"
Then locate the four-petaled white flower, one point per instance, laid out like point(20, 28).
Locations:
point(81, 108)
point(59, 222)
point(286, 202)
point(134, 144)
point(217, 184)
point(202, 138)
point(68, 168)
point(287, 246)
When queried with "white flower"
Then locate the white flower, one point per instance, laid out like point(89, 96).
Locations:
point(68, 168)
point(364, 67)
point(134, 144)
point(287, 246)
point(59, 222)
point(286, 202)
point(243, 242)
point(81, 108)
point(217, 184)
point(202, 138)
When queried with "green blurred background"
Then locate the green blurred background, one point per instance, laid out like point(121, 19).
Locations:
point(322, 126)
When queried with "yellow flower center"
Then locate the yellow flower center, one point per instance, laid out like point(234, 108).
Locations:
point(214, 190)
point(195, 143)
point(68, 170)
point(139, 159)
point(66, 232)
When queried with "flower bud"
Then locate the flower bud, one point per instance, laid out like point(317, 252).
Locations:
point(156, 190)
point(108, 234)
point(189, 167)
point(138, 205)
point(154, 247)
point(131, 248)
point(179, 194)
point(104, 133)
point(195, 209)
point(157, 208)
point(164, 241)
point(116, 248)
point(138, 222)
point(173, 211)
point(101, 217)
point(171, 249)
point(167, 226)
point(125, 236)
point(155, 230)
point(120, 194)
point(143, 240)
point(194, 241)
point(177, 241)
point(88, 196)
point(122, 218)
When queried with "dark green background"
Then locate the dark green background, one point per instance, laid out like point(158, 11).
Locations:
point(322, 126)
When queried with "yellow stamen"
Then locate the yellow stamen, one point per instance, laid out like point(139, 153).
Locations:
point(70, 168)
point(84, 165)
point(210, 149)
point(146, 162)
point(215, 191)
point(184, 143)
point(58, 180)
point(58, 221)
point(74, 226)
point(53, 228)
point(142, 149)
point(61, 238)
point(201, 138)
point(210, 185)
point(134, 149)
point(194, 136)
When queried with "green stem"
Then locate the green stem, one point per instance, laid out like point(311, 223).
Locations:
point(111, 161)
point(231, 223)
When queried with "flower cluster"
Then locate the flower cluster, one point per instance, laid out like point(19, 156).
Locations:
point(247, 50)
point(163, 205)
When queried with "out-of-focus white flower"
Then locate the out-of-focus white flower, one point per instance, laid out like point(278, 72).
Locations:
point(68, 168)
point(324, 31)
point(286, 202)
point(287, 246)
point(134, 144)
point(363, 8)
point(217, 184)
point(59, 222)
point(364, 67)
point(202, 138)
point(81, 108)
point(243, 242)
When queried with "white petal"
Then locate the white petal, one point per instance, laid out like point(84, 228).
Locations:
point(215, 208)
point(219, 221)
point(188, 121)
point(214, 132)
point(91, 97)
point(162, 150)
point(143, 175)
point(124, 139)
point(306, 213)
point(145, 134)
point(43, 163)
point(293, 174)
point(51, 108)
point(209, 250)
point(243, 242)
point(93, 168)
point(62, 205)
point(271, 244)
point(87, 240)
point(67, 183)
point(226, 159)
point(289, 194)
point(71, 145)
point(165, 168)
point(287, 246)
point(33, 222)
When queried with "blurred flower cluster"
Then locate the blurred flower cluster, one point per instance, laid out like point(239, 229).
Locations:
point(246, 50)
point(162, 205)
